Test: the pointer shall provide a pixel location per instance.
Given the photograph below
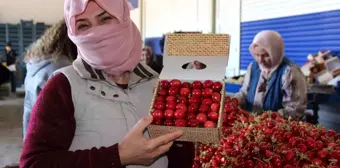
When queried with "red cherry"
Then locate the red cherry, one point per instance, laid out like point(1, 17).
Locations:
point(287, 135)
point(208, 84)
point(186, 85)
point(217, 87)
point(194, 100)
point(179, 114)
point(169, 123)
point(225, 118)
point(160, 99)
point(171, 105)
point(193, 108)
point(290, 155)
point(207, 92)
point(171, 98)
point(317, 162)
point(331, 145)
point(185, 92)
point(335, 155)
point(209, 124)
point(302, 148)
point(216, 97)
point(169, 114)
point(323, 153)
point(201, 117)
point(271, 124)
point(181, 123)
point(175, 83)
point(197, 85)
point(331, 133)
point(259, 164)
point(310, 143)
point(207, 101)
point(173, 91)
point(157, 122)
point(235, 100)
point(162, 92)
point(165, 84)
point(182, 107)
point(215, 107)
point(191, 116)
point(213, 116)
point(250, 164)
point(160, 106)
point(276, 161)
point(193, 123)
point(272, 114)
point(196, 93)
point(182, 99)
point(204, 109)
point(157, 114)
point(269, 154)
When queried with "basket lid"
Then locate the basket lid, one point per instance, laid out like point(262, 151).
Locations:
point(181, 50)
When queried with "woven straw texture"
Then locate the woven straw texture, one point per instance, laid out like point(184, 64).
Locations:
point(202, 135)
point(198, 44)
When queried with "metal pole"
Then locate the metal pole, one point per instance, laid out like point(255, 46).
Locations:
point(214, 18)
point(142, 20)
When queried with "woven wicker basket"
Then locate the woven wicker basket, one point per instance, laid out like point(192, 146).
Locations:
point(198, 45)
point(202, 135)
point(194, 45)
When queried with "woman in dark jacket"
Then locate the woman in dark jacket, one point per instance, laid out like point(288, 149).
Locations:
point(10, 59)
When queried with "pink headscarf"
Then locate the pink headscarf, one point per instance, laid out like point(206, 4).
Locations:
point(272, 42)
point(115, 49)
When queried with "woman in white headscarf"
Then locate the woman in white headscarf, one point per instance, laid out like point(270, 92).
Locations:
point(273, 82)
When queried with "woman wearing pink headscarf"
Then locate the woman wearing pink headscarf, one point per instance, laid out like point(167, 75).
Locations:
point(91, 114)
point(272, 81)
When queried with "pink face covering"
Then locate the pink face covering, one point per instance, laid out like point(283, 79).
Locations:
point(113, 48)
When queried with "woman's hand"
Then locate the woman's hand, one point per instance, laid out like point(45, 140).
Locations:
point(135, 149)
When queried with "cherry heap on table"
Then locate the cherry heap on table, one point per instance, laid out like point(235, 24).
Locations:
point(268, 141)
point(186, 104)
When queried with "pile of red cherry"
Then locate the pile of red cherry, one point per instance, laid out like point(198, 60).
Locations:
point(269, 141)
point(186, 104)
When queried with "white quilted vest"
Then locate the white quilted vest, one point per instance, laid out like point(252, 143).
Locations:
point(105, 113)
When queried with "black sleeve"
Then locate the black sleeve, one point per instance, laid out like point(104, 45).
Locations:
point(4, 74)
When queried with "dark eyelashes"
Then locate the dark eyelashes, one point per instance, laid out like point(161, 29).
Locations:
point(82, 26)
point(107, 18)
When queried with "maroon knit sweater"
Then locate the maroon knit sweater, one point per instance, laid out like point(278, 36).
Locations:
point(51, 131)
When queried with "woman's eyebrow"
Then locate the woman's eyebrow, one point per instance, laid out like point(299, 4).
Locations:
point(101, 14)
point(81, 20)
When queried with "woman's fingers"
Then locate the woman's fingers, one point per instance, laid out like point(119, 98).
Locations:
point(142, 125)
point(135, 149)
point(162, 149)
point(164, 139)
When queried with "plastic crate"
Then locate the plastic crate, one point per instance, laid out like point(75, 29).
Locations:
point(12, 35)
point(232, 88)
point(39, 30)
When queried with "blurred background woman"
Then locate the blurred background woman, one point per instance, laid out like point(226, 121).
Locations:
point(52, 51)
point(148, 58)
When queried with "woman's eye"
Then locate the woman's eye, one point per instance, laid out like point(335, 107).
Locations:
point(106, 18)
point(82, 27)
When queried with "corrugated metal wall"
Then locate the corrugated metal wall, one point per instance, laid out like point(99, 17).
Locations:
point(306, 26)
